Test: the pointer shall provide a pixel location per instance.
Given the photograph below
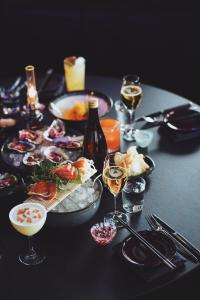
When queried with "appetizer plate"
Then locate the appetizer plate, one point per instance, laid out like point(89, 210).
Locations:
point(15, 159)
point(136, 254)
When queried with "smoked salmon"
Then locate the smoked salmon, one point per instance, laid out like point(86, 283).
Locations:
point(43, 190)
point(66, 171)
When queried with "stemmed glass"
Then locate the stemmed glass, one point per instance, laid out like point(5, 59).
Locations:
point(28, 219)
point(131, 95)
point(114, 177)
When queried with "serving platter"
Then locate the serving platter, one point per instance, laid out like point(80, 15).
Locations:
point(14, 159)
point(66, 191)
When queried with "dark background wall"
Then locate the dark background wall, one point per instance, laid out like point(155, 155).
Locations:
point(157, 39)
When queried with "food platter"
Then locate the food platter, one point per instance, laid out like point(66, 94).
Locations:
point(17, 159)
point(67, 189)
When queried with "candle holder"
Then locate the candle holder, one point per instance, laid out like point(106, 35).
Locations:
point(34, 116)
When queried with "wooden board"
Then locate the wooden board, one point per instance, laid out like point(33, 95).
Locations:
point(69, 188)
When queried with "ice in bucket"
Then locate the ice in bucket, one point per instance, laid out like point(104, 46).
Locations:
point(74, 68)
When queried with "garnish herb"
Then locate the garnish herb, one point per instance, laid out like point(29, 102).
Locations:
point(44, 172)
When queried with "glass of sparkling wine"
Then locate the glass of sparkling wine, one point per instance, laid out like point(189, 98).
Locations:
point(114, 178)
point(131, 95)
point(28, 219)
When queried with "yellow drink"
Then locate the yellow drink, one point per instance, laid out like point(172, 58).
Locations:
point(115, 178)
point(74, 73)
point(28, 218)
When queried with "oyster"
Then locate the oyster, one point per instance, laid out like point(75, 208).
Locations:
point(21, 146)
point(55, 154)
point(7, 180)
point(56, 129)
point(30, 136)
point(66, 142)
point(33, 158)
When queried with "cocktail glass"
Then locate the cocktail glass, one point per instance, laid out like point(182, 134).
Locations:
point(28, 219)
point(111, 129)
point(74, 68)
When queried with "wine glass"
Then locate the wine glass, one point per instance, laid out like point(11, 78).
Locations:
point(114, 177)
point(131, 95)
point(28, 219)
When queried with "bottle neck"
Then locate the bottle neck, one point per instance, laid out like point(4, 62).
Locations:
point(93, 116)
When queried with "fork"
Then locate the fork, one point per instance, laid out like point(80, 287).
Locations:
point(154, 225)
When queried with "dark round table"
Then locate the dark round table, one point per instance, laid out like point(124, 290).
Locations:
point(75, 267)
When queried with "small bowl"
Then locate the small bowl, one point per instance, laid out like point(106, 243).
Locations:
point(67, 101)
point(78, 217)
point(103, 233)
point(143, 137)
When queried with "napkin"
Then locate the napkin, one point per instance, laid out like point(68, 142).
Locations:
point(149, 274)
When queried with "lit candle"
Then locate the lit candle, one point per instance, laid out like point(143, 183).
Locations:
point(32, 96)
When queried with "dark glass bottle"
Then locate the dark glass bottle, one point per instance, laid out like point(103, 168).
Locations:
point(94, 145)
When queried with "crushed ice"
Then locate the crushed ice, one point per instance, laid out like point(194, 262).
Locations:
point(80, 198)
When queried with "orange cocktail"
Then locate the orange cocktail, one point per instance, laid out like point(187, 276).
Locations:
point(111, 129)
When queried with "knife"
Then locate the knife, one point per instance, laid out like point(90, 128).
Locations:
point(182, 240)
point(151, 118)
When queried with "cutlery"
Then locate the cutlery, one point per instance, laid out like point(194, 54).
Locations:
point(45, 80)
point(158, 116)
point(15, 84)
point(180, 248)
point(149, 246)
point(181, 239)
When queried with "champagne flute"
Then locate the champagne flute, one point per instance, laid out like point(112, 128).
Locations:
point(131, 95)
point(114, 177)
point(28, 219)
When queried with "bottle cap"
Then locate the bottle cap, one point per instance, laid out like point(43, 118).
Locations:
point(93, 102)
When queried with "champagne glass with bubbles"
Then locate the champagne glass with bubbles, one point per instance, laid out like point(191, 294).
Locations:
point(114, 177)
point(131, 95)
